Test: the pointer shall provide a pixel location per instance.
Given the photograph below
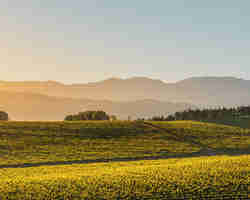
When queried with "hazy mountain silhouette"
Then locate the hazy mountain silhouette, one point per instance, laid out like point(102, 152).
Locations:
point(227, 91)
point(31, 106)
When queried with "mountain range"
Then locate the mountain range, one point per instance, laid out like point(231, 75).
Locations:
point(135, 97)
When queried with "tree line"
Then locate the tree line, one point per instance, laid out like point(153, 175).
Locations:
point(207, 114)
point(191, 114)
point(90, 115)
point(87, 115)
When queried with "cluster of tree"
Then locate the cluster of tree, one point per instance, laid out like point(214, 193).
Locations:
point(4, 116)
point(90, 115)
point(207, 114)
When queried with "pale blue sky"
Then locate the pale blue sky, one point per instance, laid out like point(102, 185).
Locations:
point(91, 40)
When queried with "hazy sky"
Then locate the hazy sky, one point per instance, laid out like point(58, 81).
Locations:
point(91, 40)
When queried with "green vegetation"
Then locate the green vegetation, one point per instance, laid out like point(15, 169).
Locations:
point(35, 142)
point(66, 160)
point(239, 116)
point(194, 178)
point(88, 115)
point(240, 122)
point(4, 116)
point(32, 142)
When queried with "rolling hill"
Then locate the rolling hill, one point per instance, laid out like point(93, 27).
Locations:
point(48, 143)
point(123, 160)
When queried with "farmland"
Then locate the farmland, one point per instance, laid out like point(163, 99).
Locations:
point(122, 160)
point(206, 177)
point(35, 142)
point(240, 122)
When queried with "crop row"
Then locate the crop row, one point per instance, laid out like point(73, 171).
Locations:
point(207, 178)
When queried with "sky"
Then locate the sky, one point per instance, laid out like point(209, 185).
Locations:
point(92, 40)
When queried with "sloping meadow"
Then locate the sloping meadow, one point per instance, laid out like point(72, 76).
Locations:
point(38, 142)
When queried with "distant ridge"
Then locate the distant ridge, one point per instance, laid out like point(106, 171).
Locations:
point(31, 106)
point(204, 91)
point(211, 78)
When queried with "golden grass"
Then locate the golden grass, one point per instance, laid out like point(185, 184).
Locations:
point(194, 178)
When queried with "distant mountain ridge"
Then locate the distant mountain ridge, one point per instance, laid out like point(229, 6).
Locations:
point(31, 106)
point(204, 91)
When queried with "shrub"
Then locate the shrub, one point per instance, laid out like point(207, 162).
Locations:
point(4, 116)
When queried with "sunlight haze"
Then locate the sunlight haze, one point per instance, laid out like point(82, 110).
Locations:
point(124, 99)
point(88, 41)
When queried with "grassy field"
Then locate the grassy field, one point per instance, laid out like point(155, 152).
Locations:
point(218, 177)
point(82, 160)
point(240, 122)
point(36, 142)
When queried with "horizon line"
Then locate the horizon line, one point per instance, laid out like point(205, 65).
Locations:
point(118, 78)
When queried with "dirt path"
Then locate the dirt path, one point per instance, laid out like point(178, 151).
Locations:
point(127, 159)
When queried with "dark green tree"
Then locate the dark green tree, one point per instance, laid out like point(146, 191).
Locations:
point(4, 116)
point(88, 115)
